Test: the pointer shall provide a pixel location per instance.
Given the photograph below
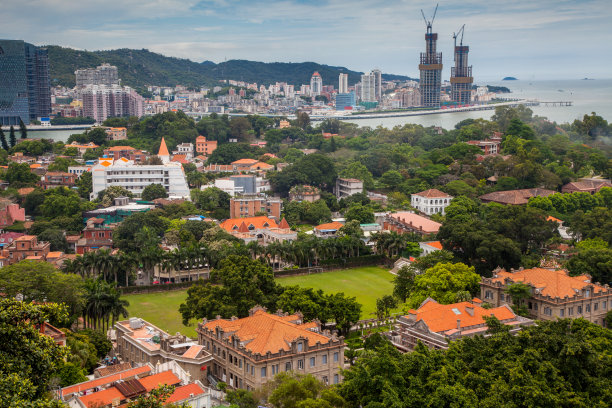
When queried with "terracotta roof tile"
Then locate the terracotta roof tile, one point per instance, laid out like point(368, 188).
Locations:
point(163, 378)
point(257, 222)
point(88, 385)
point(433, 193)
point(192, 351)
point(102, 398)
point(245, 161)
point(182, 393)
point(335, 225)
point(417, 221)
point(516, 197)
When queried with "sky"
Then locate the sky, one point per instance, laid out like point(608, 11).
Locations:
point(528, 39)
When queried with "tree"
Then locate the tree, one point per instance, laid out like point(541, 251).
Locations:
point(361, 213)
point(153, 191)
point(108, 195)
point(29, 358)
point(241, 399)
point(12, 138)
point(19, 175)
point(519, 292)
point(239, 127)
point(85, 185)
point(442, 282)
point(5, 145)
point(303, 120)
point(594, 261)
point(229, 152)
point(358, 171)
point(391, 179)
point(312, 304)
point(403, 282)
point(344, 310)
point(156, 399)
point(384, 306)
point(293, 390)
point(56, 238)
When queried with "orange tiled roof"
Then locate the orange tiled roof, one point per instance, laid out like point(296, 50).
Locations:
point(264, 332)
point(192, 351)
point(102, 398)
point(551, 218)
point(261, 166)
point(25, 191)
point(245, 161)
point(441, 318)
point(119, 148)
point(284, 224)
point(182, 393)
point(417, 221)
point(35, 165)
point(549, 283)
point(435, 244)
point(88, 385)
point(163, 149)
point(55, 254)
point(257, 222)
point(432, 193)
point(335, 225)
point(163, 378)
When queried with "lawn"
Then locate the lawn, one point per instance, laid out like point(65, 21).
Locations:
point(367, 284)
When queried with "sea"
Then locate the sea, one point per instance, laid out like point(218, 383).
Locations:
point(586, 96)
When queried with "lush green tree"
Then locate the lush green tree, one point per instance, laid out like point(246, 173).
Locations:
point(61, 201)
point(519, 293)
point(344, 310)
point(363, 214)
point(293, 390)
point(56, 238)
point(33, 201)
point(358, 171)
point(5, 145)
point(391, 179)
point(125, 236)
point(596, 262)
point(108, 195)
point(403, 282)
point(312, 304)
point(384, 306)
point(85, 185)
point(213, 200)
point(62, 164)
point(19, 175)
point(12, 137)
point(442, 282)
point(241, 399)
point(315, 169)
point(156, 399)
point(230, 152)
point(153, 191)
point(70, 373)
point(593, 224)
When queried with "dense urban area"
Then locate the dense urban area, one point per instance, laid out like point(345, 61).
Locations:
point(239, 245)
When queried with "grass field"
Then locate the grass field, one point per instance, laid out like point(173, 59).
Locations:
point(367, 284)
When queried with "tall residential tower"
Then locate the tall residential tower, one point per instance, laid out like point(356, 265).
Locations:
point(316, 84)
point(461, 74)
point(430, 67)
point(343, 83)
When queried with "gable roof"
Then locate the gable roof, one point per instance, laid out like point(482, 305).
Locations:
point(101, 398)
point(88, 385)
point(163, 378)
point(516, 197)
point(587, 185)
point(334, 225)
point(184, 392)
point(549, 283)
point(284, 224)
point(245, 162)
point(263, 332)
point(257, 222)
point(417, 221)
point(433, 193)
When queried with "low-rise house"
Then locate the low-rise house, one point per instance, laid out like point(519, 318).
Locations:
point(515, 197)
point(96, 235)
point(328, 230)
point(250, 351)
point(304, 193)
point(53, 179)
point(116, 133)
point(25, 247)
point(554, 294)
point(250, 228)
point(281, 234)
point(489, 147)
point(10, 213)
point(436, 325)
point(430, 246)
point(346, 187)
point(408, 222)
point(185, 149)
point(431, 201)
point(7, 238)
point(125, 152)
point(205, 147)
point(82, 148)
point(590, 186)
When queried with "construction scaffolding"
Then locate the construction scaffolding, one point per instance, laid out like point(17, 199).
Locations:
point(430, 67)
point(461, 74)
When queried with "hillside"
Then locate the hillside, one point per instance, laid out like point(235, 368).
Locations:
point(138, 68)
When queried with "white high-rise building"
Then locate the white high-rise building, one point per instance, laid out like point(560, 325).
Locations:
point(368, 88)
point(343, 83)
point(316, 84)
point(377, 83)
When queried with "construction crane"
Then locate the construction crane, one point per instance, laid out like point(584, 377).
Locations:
point(429, 23)
point(455, 35)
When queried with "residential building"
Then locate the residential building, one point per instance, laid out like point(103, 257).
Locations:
point(96, 235)
point(377, 84)
point(430, 68)
point(250, 351)
point(125, 152)
point(328, 230)
point(238, 184)
point(259, 228)
point(25, 92)
point(343, 83)
point(430, 201)
point(7, 238)
point(103, 101)
point(515, 197)
point(345, 101)
point(554, 294)
point(316, 84)
point(304, 192)
point(279, 235)
point(436, 325)
point(250, 165)
point(251, 205)
point(82, 148)
point(408, 222)
point(590, 186)
point(54, 179)
point(25, 247)
point(429, 247)
point(185, 149)
point(346, 187)
point(489, 147)
point(10, 213)
point(104, 74)
point(135, 178)
point(205, 147)
point(368, 87)
point(78, 170)
point(116, 133)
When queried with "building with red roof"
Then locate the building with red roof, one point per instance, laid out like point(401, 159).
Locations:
point(554, 293)
point(431, 201)
point(435, 325)
point(408, 222)
point(248, 352)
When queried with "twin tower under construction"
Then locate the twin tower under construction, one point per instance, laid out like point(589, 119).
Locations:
point(430, 68)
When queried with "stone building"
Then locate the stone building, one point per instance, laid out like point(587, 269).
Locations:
point(554, 294)
point(431, 201)
point(248, 352)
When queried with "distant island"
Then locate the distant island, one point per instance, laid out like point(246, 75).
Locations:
point(498, 89)
point(509, 79)
point(587, 79)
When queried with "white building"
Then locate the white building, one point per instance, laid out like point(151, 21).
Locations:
point(186, 149)
point(346, 187)
point(431, 201)
point(343, 83)
point(368, 88)
point(78, 170)
point(377, 84)
point(316, 84)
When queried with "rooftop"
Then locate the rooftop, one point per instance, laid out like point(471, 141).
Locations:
point(516, 197)
point(260, 222)
point(433, 193)
point(335, 225)
point(417, 221)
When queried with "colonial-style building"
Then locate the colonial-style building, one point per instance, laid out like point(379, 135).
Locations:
point(408, 222)
point(554, 294)
point(254, 205)
point(436, 325)
point(431, 201)
point(515, 197)
point(590, 186)
point(248, 352)
point(205, 147)
point(54, 179)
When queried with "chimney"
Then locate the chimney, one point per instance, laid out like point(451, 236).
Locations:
point(458, 324)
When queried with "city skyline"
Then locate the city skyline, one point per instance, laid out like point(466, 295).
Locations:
point(523, 39)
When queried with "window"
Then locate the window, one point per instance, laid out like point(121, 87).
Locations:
point(604, 304)
point(325, 380)
point(288, 366)
point(312, 361)
point(588, 308)
point(579, 309)
point(239, 363)
point(570, 311)
point(300, 364)
point(247, 367)
point(562, 312)
point(252, 370)
point(336, 357)
point(502, 297)
point(336, 378)
point(300, 347)
point(263, 371)
point(529, 305)
point(535, 306)
point(324, 357)
point(547, 311)
point(595, 306)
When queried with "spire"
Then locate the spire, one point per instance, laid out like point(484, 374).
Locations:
point(284, 224)
point(163, 151)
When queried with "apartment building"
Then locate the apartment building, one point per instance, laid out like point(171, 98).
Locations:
point(346, 187)
point(435, 325)
point(125, 152)
point(25, 247)
point(10, 213)
point(96, 235)
point(116, 133)
point(554, 294)
point(53, 179)
point(253, 205)
point(205, 147)
point(304, 193)
point(248, 352)
point(432, 201)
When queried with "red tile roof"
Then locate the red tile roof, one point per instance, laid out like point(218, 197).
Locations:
point(184, 392)
point(88, 385)
point(335, 225)
point(102, 398)
point(417, 221)
point(163, 378)
point(245, 161)
point(433, 193)
point(516, 197)
point(257, 222)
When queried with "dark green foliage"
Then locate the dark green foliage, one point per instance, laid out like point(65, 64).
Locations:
point(315, 169)
point(229, 152)
point(72, 121)
point(153, 191)
point(12, 137)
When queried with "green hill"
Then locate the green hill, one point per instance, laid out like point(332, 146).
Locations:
point(138, 68)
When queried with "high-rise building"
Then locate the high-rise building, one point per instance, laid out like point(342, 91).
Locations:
point(345, 100)
point(368, 87)
point(101, 102)
point(25, 92)
point(105, 74)
point(431, 69)
point(377, 84)
point(343, 83)
point(316, 84)
point(461, 74)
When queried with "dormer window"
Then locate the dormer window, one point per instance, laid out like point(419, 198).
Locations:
point(300, 347)
point(587, 293)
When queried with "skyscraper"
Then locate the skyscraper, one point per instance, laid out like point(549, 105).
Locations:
point(461, 74)
point(343, 83)
point(105, 74)
point(101, 102)
point(316, 84)
point(377, 84)
point(430, 68)
point(25, 92)
point(368, 87)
